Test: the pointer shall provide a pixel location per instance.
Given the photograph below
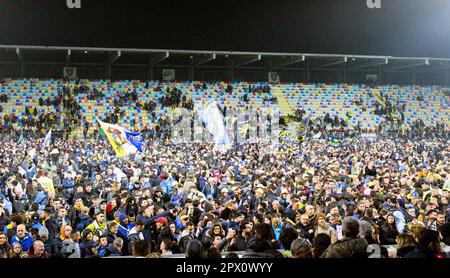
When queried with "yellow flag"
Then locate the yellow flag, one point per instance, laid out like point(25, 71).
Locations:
point(117, 148)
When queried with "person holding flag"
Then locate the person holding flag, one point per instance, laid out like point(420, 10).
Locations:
point(124, 142)
point(47, 140)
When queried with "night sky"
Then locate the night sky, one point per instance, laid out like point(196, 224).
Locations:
point(399, 28)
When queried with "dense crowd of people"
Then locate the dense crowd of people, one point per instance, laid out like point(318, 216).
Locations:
point(383, 198)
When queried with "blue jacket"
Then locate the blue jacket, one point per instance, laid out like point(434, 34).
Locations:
point(26, 241)
point(123, 229)
point(167, 185)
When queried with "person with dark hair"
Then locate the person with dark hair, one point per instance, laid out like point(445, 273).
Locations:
point(245, 235)
point(427, 247)
point(141, 249)
point(260, 246)
point(4, 246)
point(287, 236)
point(320, 244)
point(301, 249)
point(166, 247)
point(212, 253)
point(186, 236)
point(388, 231)
point(135, 234)
point(194, 249)
point(352, 246)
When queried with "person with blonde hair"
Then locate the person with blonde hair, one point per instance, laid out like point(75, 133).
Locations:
point(16, 251)
point(405, 244)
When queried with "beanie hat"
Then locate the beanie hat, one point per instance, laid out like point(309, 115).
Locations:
point(43, 232)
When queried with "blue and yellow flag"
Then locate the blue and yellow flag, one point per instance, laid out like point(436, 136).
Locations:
point(334, 141)
point(124, 142)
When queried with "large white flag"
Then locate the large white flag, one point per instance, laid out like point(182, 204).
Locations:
point(47, 140)
point(213, 119)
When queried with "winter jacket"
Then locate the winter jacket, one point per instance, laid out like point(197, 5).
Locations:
point(26, 241)
point(70, 249)
point(19, 205)
point(405, 250)
point(388, 234)
point(51, 247)
point(110, 237)
point(52, 228)
point(84, 221)
point(124, 229)
point(113, 251)
point(96, 228)
point(261, 249)
point(133, 236)
point(242, 242)
point(347, 248)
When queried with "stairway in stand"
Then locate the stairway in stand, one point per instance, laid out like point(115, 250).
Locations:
point(283, 104)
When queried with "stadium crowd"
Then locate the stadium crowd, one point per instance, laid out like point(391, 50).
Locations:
point(77, 199)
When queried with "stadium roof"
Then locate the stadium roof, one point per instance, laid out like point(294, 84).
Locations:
point(136, 57)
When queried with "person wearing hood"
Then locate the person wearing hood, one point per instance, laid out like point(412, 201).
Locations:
point(41, 199)
point(260, 246)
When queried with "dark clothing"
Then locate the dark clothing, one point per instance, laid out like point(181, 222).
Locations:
point(4, 250)
point(242, 242)
point(51, 247)
point(388, 234)
point(52, 228)
point(19, 205)
point(261, 249)
point(303, 231)
point(347, 248)
point(110, 237)
point(420, 253)
point(113, 251)
point(405, 250)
